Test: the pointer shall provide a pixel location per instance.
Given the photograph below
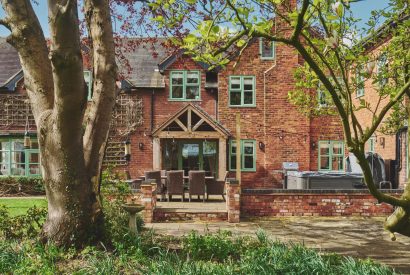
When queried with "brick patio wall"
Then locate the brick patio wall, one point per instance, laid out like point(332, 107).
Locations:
point(272, 202)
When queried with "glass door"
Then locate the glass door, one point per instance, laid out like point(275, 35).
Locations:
point(190, 156)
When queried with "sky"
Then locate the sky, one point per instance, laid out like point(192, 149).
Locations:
point(361, 10)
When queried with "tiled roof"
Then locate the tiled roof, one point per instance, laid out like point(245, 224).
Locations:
point(9, 62)
point(143, 59)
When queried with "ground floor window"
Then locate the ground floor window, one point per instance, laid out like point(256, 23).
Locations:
point(195, 154)
point(371, 143)
point(16, 160)
point(331, 155)
point(248, 155)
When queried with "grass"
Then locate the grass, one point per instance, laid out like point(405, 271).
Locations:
point(149, 253)
point(19, 206)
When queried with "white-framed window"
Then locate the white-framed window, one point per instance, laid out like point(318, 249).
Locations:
point(371, 144)
point(381, 69)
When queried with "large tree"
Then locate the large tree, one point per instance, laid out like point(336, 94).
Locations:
point(71, 133)
point(325, 34)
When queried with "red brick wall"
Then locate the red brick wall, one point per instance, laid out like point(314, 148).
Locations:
point(313, 204)
point(272, 115)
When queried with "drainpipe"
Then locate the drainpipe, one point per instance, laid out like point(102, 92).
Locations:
point(264, 108)
point(264, 102)
point(152, 110)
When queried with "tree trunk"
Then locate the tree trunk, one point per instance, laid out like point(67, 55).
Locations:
point(71, 147)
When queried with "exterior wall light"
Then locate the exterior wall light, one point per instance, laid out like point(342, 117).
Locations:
point(261, 145)
point(27, 141)
point(141, 146)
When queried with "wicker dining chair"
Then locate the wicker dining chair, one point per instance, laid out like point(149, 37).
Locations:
point(175, 184)
point(215, 187)
point(197, 184)
point(156, 175)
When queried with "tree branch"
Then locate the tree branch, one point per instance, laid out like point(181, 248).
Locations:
point(300, 22)
point(99, 113)
point(28, 39)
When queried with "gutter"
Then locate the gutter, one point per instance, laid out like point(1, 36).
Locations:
point(398, 154)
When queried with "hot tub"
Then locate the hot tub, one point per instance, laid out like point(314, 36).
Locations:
point(324, 180)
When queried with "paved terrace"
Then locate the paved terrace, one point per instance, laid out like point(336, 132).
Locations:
point(354, 236)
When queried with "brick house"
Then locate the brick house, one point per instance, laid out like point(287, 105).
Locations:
point(186, 117)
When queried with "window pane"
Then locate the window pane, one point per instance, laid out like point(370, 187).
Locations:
point(34, 169)
point(17, 145)
point(324, 163)
point(177, 91)
point(4, 169)
point(233, 162)
point(324, 148)
point(34, 158)
point(337, 163)
point(192, 77)
point(248, 84)
point(233, 148)
point(4, 157)
point(248, 98)
point(4, 145)
point(192, 92)
point(177, 78)
point(248, 148)
point(17, 169)
point(248, 162)
point(17, 156)
point(235, 83)
point(267, 48)
point(235, 98)
point(337, 148)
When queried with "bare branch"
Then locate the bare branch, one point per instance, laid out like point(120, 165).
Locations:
point(5, 23)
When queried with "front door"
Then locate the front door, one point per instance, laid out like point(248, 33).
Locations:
point(190, 156)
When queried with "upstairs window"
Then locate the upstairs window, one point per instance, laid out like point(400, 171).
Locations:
point(248, 155)
point(382, 69)
point(185, 85)
point(359, 81)
point(242, 91)
point(266, 49)
point(331, 155)
point(88, 78)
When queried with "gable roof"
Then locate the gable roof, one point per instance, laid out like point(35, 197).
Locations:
point(170, 59)
point(204, 117)
point(9, 64)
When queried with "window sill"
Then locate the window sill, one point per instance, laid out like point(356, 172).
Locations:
point(242, 106)
point(182, 100)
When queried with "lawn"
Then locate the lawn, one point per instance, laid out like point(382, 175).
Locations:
point(19, 206)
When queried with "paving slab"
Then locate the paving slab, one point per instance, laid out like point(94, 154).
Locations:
point(353, 236)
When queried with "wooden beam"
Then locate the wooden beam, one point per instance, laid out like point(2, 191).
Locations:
point(189, 119)
point(199, 123)
point(222, 159)
point(188, 135)
point(181, 124)
point(156, 154)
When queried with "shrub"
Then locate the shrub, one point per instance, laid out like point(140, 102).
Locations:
point(22, 226)
point(21, 186)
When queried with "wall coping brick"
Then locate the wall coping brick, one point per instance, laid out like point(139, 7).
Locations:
point(267, 191)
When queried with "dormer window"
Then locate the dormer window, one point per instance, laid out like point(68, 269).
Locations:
point(266, 49)
point(184, 85)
